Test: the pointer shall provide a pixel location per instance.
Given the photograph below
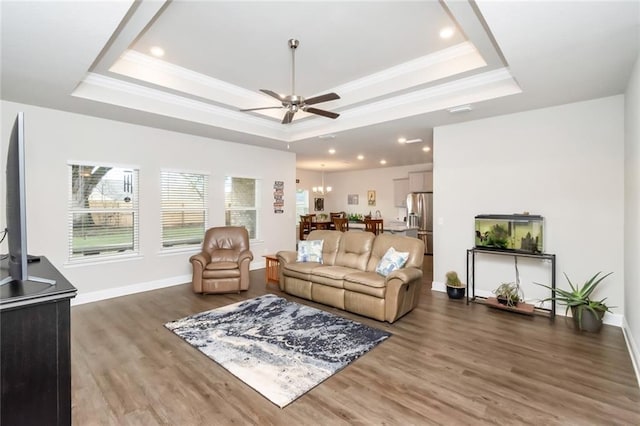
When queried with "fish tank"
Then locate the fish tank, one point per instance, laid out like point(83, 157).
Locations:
point(514, 232)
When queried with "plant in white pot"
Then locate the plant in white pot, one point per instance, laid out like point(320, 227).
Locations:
point(587, 313)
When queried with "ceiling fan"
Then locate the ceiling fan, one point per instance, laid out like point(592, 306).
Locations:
point(293, 103)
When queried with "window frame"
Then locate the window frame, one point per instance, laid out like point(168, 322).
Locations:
point(205, 210)
point(108, 256)
point(256, 205)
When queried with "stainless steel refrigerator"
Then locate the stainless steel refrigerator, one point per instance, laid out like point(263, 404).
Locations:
point(420, 214)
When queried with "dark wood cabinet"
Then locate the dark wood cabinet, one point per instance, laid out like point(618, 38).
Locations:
point(35, 351)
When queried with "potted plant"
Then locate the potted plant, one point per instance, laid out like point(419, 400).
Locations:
point(509, 294)
point(455, 288)
point(587, 313)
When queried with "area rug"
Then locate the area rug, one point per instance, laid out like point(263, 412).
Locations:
point(281, 349)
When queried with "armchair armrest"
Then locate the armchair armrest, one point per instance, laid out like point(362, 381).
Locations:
point(203, 258)
point(244, 255)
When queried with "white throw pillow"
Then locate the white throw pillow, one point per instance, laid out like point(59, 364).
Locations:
point(310, 251)
point(391, 261)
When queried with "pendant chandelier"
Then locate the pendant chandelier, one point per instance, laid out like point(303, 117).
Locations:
point(321, 190)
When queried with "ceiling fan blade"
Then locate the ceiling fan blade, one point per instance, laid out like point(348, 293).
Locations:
point(272, 94)
point(322, 112)
point(256, 109)
point(322, 98)
point(288, 117)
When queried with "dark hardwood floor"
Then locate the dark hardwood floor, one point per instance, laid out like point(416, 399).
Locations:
point(446, 363)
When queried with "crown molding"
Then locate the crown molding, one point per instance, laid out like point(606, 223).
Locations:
point(418, 65)
point(477, 88)
point(113, 91)
point(445, 63)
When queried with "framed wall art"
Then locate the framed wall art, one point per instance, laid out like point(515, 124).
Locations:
point(371, 197)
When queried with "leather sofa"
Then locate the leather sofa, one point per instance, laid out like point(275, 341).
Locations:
point(223, 264)
point(347, 277)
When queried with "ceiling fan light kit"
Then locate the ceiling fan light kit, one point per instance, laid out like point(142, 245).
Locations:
point(294, 103)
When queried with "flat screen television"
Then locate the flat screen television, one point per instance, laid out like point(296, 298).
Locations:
point(16, 192)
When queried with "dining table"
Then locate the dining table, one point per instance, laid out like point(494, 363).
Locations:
point(322, 224)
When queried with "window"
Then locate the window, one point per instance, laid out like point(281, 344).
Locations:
point(302, 202)
point(240, 199)
point(103, 211)
point(184, 208)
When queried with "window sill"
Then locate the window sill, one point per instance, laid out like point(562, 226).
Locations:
point(180, 250)
point(102, 260)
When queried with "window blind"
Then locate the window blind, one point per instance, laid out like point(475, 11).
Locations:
point(184, 208)
point(103, 211)
point(241, 201)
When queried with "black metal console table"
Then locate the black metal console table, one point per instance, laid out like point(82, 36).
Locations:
point(471, 272)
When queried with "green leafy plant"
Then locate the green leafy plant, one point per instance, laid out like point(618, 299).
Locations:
point(453, 280)
point(509, 293)
point(498, 236)
point(578, 299)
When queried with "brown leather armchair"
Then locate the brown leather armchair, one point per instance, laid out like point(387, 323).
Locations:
point(223, 264)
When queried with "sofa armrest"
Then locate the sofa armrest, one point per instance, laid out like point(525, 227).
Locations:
point(403, 292)
point(405, 275)
point(285, 256)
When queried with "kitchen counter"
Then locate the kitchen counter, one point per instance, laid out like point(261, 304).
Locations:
point(398, 228)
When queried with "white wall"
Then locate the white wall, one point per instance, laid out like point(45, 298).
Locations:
point(53, 138)
point(359, 182)
point(564, 163)
point(632, 213)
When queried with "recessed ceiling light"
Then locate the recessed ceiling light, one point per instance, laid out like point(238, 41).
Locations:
point(157, 51)
point(447, 32)
point(360, 157)
point(383, 161)
point(332, 151)
point(402, 140)
point(426, 149)
point(414, 140)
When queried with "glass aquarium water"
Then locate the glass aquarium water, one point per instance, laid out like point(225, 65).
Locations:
point(517, 232)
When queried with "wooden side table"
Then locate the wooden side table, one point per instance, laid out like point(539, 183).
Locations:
point(272, 274)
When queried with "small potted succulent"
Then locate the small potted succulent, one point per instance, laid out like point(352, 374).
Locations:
point(587, 313)
point(509, 294)
point(455, 288)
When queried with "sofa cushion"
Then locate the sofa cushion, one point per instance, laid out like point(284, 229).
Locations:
point(332, 276)
point(370, 283)
point(391, 261)
point(355, 249)
point(310, 251)
point(331, 243)
point(300, 270)
point(383, 242)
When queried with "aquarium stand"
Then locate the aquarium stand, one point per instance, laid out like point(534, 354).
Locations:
point(471, 275)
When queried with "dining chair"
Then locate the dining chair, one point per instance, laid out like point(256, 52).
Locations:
point(306, 222)
point(341, 224)
point(373, 225)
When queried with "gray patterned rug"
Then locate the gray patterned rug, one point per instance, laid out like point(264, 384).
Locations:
point(279, 348)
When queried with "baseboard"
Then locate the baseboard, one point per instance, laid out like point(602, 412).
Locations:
point(611, 319)
point(633, 349)
point(96, 296)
